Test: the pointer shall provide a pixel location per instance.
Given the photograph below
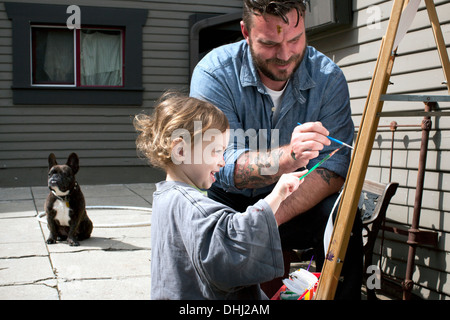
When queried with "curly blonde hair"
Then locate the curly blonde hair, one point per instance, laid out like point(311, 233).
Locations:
point(174, 111)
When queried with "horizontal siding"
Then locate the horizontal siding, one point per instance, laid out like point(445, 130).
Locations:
point(417, 70)
point(102, 136)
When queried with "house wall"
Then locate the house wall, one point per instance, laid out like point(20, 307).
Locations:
point(417, 71)
point(103, 136)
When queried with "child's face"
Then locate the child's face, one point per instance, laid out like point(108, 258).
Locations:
point(199, 170)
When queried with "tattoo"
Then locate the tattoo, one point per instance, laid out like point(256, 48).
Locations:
point(257, 169)
point(327, 175)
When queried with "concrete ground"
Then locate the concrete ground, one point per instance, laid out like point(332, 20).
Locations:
point(113, 264)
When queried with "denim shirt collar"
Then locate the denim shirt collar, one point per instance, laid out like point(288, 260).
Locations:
point(301, 80)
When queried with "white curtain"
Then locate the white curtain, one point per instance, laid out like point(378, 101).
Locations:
point(58, 59)
point(101, 59)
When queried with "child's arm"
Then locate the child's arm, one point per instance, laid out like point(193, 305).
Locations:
point(286, 185)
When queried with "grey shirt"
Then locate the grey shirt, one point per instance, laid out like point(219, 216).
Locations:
point(202, 249)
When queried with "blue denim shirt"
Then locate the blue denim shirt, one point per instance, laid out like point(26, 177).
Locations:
point(317, 91)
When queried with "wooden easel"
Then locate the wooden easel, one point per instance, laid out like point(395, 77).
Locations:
point(364, 142)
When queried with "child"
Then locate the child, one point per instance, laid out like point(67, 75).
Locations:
point(202, 249)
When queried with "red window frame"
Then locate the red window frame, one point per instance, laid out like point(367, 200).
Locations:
point(77, 56)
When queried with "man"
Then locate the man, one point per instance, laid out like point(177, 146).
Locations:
point(266, 84)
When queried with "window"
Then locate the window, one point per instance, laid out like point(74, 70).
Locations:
point(86, 57)
point(99, 63)
point(325, 15)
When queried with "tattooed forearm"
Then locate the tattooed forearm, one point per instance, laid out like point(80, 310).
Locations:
point(327, 175)
point(257, 169)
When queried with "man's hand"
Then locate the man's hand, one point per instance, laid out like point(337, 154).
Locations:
point(306, 142)
point(259, 169)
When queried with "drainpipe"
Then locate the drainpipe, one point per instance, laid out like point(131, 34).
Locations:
point(414, 230)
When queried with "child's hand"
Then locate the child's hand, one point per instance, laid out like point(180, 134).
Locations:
point(285, 186)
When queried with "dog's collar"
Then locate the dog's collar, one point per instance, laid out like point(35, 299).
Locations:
point(67, 196)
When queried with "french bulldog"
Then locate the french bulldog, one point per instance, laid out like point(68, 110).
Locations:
point(65, 205)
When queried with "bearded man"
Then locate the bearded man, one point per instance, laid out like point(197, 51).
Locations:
point(266, 84)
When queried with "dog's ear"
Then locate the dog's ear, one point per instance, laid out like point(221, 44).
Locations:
point(73, 162)
point(51, 161)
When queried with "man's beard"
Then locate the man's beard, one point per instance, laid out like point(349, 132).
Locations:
point(282, 75)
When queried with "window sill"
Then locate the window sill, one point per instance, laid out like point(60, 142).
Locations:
point(77, 96)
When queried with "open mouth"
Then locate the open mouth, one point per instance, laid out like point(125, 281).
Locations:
point(58, 192)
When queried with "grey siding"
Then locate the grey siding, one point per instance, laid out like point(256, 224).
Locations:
point(103, 136)
point(416, 70)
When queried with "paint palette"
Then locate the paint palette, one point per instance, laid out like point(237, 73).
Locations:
point(300, 282)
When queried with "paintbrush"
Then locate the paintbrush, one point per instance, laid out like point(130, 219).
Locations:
point(334, 139)
point(320, 163)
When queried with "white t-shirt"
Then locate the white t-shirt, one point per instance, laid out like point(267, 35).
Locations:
point(277, 97)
